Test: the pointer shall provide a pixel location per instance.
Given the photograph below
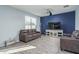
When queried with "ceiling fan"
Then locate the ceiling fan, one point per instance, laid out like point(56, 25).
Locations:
point(49, 12)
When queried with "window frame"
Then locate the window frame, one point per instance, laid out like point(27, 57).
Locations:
point(30, 24)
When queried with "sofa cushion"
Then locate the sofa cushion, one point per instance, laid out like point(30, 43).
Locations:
point(75, 34)
point(30, 35)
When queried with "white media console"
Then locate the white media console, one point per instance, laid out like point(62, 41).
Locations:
point(54, 33)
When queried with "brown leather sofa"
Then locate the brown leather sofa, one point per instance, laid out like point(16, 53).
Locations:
point(28, 35)
point(70, 43)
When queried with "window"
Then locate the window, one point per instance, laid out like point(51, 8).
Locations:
point(30, 22)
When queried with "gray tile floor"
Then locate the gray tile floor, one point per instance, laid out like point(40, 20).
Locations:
point(43, 45)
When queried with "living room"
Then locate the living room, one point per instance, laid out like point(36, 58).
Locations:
point(39, 29)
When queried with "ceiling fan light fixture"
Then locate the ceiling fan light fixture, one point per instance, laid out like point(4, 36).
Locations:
point(66, 6)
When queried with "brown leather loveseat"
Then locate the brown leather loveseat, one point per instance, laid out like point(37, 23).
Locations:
point(70, 43)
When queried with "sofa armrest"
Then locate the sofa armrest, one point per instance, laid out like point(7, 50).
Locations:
point(70, 40)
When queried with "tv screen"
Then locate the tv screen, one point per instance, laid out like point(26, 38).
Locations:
point(54, 25)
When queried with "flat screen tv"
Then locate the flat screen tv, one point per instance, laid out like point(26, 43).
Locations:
point(54, 25)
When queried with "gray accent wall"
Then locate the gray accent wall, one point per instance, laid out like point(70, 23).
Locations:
point(11, 22)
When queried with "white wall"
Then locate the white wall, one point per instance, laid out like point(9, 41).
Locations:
point(11, 22)
point(77, 18)
point(38, 25)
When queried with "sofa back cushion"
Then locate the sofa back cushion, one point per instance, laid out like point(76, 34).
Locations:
point(34, 31)
point(75, 34)
point(29, 31)
point(24, 31)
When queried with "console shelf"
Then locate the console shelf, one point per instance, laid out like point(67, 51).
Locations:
point(54, 33)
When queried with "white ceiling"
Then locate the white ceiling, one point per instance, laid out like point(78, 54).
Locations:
point(41, 10)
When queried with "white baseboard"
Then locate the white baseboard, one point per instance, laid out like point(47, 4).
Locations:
point(2, 44)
